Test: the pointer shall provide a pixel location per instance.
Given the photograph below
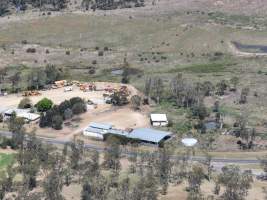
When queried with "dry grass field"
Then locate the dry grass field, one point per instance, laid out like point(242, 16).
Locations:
point(161, 39)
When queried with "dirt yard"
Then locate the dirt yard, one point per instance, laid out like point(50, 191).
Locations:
point(120, 117)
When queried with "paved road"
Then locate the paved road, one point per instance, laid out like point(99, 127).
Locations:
point(101, 149)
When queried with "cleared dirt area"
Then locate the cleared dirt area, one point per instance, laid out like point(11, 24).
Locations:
point(120, 117)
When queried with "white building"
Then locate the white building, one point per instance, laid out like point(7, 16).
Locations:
point(23, 113)
point(97, 130)
point(158, 119)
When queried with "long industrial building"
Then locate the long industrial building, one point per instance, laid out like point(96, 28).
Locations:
point(144, 135)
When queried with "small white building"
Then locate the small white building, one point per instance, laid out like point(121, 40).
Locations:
point(23, 113)
point(158, 119)
point(97, 130)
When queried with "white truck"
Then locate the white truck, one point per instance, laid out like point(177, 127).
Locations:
point(68, 89)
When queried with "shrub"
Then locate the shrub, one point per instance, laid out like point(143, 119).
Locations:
point(67, 52)
point(100, 53)
point(91, 71)
point(57, 122)
point(31, 50)
point(24, 42)
point(44, 105)
point(25, 103)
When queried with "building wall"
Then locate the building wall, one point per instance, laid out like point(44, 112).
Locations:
point(159, 123)
point(95, 135)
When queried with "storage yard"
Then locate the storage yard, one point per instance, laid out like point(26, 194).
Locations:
point(59, 94)
point(98, 110)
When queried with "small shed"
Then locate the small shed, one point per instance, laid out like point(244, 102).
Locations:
point(158, 119)
point(97, 130)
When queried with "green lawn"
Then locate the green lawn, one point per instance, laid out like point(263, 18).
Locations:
point(5, 160)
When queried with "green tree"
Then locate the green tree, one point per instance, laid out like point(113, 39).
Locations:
point(25, 103)
point(112, 157)
point(57, 122)
point(15, 123)
point(243, 95)
point(15, 79)
point(52, 73)
point(75, 100)
point(195, 179)
point(163, 168)
point(200, 111)
point(235, 182)
point(208, 88)
point(28, 161)
point(64, 106)
point(126, 72)
point(79, 108)
point(3, 7)
point(36, 79)
point(136, 102)
point(43, 121)
point(86, 192)
point(221, 87)
point(157, 88)
point(53, 185)
point(77, 150)
point(44, 105)
point(150, 185)
point(234, 81)
point(68, 114)
point(86, 4)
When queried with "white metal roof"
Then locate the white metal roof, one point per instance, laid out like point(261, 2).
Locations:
point(158, 117)
point(3, 110)
point(149, 135)
point(29, 116)
point(17, 111)
point(23, 113)
point(104, 126)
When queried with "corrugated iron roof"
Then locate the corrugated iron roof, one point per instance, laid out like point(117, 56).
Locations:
point(103, 126)
point(144, 134)
point(96, 130)
point(149, 135)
